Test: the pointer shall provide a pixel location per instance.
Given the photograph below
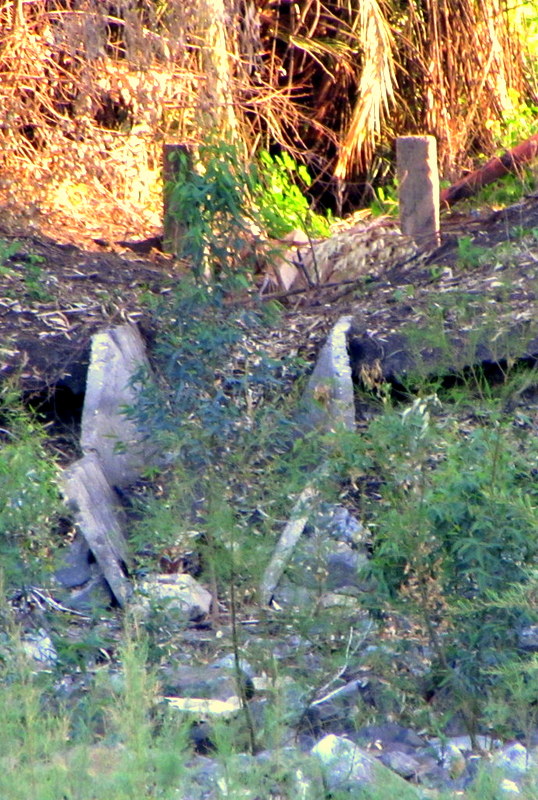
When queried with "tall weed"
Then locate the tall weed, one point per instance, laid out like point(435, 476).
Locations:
point(454, 544)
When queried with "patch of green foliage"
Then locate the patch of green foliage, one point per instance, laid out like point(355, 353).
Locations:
point(386, 200)
point(454, 548)
point(30, 502)
point(221, 416)
point(279, 197)
point(222, 200)
point(504, 192)
point(131, 748)
point(211, 205)
point(519, 122)
point(29, 264)
point(7, 250)
point(469, 254)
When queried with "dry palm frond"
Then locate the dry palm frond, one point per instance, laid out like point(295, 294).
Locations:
point(89, 90)
point(375, 89)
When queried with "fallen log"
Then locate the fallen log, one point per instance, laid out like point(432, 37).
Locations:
point(495, 168)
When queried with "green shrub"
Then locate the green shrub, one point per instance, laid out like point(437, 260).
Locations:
point(221, 413)
point(454, 543)
point(223, 199)
point(29, 497)
point(282, 204)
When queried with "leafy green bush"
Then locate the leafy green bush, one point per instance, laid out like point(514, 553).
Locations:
point(221, 412)
point(29, 497)
point(281, 203)
point(222, 200)
point(455, 543)
point(211, 203)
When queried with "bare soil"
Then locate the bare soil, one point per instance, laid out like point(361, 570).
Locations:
point(54, 296)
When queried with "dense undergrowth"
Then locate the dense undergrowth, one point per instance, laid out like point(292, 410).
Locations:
point(450, 506)
point(443, 477)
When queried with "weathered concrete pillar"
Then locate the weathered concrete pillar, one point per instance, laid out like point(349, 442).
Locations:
point(418, 179)
point(173, 229)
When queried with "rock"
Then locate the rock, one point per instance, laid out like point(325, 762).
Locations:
point(528, 639)
point(215, 682)
point(453, 760)
point(392, 355)
point(325, 558)
point(509, 787)
point(38, 646)
point(389, 734)
point(289, 595)
point(347, 768)
point(463, 744)
point(337, 522)
point(75, 569)
point(228, 662)
point(200, 779)
point(514, 760)
point(206, 707)
point(335, 711)
point(97, 516)
point(328, 399)
point(117, 354)
point(404, 764)
point(94, 595)
point(343, 569)
point(179, 592)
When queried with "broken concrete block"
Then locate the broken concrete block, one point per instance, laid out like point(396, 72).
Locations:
point(97, 516)
point(328, 399)
point(117, 354)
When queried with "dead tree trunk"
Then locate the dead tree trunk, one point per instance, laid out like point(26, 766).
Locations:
point(495, 168)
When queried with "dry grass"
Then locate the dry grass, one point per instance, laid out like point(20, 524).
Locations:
point(89, 92)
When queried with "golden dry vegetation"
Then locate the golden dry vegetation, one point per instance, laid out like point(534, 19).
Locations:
point(90, 91)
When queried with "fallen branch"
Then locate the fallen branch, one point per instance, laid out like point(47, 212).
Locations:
point(509, 163)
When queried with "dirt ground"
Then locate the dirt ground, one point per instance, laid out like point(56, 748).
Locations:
point(55, 295)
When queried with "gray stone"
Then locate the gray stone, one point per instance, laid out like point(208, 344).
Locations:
point(404, 764)
point(228, 662)
point(388, 734)
point(343, 568)
point(75, 569)
point(117, 354)
point(97, 516)
point(464, 744)
point(328, 399)
point(514, 760)
point(508, 787)
point(38, 646)
point(179, 592)
point(338, 523)
point(216, 682)
point(320, 563)
point(94, 595)
point(335, 711)
point(347, 768)
point(200, 780)
point(528, 638)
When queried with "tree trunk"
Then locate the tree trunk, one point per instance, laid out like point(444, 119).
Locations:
point(495, 168)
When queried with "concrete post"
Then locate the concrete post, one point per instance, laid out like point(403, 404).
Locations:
point(173, 229)
point(418, 178)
